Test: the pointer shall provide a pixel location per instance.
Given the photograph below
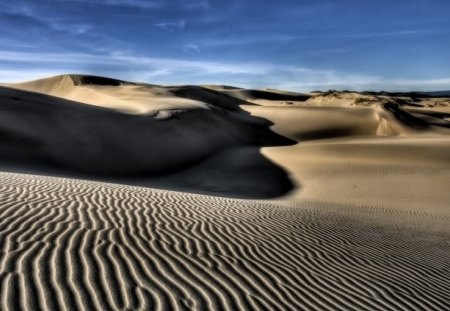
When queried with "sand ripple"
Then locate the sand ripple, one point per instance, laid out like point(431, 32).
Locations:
point(75, 245)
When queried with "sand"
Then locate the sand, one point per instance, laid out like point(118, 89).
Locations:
point(221, 198)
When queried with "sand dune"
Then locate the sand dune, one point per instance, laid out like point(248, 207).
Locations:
point(355, 213)
point(45, 133)
point(110, 93)
point(128, 97)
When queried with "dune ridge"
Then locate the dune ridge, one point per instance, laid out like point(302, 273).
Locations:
point(127, 97)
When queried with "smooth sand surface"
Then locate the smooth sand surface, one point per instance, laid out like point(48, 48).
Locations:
point(221, 198)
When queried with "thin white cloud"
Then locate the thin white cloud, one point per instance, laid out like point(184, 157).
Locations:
point(243, 40)
point(24, 11)
point(20, 66)
point(76, 29)
point(15, 43)
point(124, 60)
point(191, 48)
point(145, 4)
point(172, 26)
point(319, 52)
point(205, 67)
point(442, 84)
point(148, 4)
point(12, 76)
point(365, 83)
point(141, 4)
point(205, 4)
point(16, 9)
point(247, 40)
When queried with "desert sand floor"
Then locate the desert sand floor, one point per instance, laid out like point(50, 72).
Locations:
point(80, 245)
point(221, 198)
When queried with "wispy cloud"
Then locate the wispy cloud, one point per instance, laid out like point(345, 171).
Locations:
point(125, 60)
point(24, 12)
point(60, 25)
point(11, 76)
point(189, 4)
point(342, 81)
point(25, 66)
point(252, 39)
point(172, 26)
point(30, 28)
point(321, 52)
point(141, 4)
point(147, 4)
point(241, 40)
point(15, 43)
point(191, 48)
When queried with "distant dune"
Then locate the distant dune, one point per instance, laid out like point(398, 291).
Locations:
point(264, 199)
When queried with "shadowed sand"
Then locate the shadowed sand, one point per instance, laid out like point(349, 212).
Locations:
point(358, 216)
point(210, 135)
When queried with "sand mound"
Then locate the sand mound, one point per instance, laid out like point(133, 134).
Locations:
point(49, 134)
point(119, 95)
point(87, 138)
point(343, 99)
point(70, 244)
point(138, 98)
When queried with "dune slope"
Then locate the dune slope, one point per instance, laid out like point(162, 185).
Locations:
point(51, 134)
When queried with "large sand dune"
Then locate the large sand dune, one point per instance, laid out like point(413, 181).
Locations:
point(355, 213)
point(102, 141)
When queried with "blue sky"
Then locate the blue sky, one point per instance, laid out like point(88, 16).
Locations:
point(299, 45)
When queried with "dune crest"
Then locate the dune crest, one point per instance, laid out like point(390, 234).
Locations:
point(127, 97)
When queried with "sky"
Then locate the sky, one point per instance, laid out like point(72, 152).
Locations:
point(297, 45)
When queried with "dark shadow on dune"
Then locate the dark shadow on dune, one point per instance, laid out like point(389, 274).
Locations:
point(212, 97)
point(241, 172)
point(202, 151)
point(405, 117)
point(95, 80)
point(420, 119)
point(277, 96)
point(326, 133)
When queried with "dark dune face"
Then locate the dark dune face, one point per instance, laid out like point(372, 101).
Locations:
point(95, 80)
point(241, 172)
point(212, 97)
point(277, 96)
point(41, 132)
